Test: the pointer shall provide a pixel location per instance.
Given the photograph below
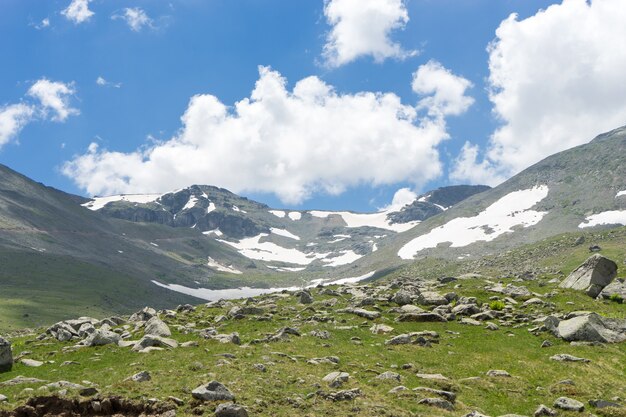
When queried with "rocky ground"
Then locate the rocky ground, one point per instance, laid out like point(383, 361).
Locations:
point(458, 346)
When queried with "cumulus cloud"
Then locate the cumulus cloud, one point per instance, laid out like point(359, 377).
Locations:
point(468, 168)
point(78, 11)
point(401, 198)
point(48, 96)
point(363, 27)
point(445, 91)
point(12, 119)
point(54, 96)
point(294, 143)
point(135, 17)
point(556, 81)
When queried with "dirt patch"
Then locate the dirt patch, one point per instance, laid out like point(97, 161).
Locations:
point(52, 406)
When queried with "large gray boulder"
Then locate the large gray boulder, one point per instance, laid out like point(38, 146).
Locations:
point(616, 287)
point(592, 328)
point(592, 276)
point(156, 327)
point(6, 355)
point(102, 337)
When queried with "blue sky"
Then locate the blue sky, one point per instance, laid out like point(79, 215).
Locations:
point(186, 48)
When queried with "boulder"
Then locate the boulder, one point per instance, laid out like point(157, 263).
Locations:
point(144, 315)
point(569, 404)
point(149, 341)
point(431, 298)
point(6, 355)
point(336, 379)
point(230, 410)
point(616, 287)
point(102, 337)
point(213, 391)
point(592, 276)
point(592, 328)
point(156, 327)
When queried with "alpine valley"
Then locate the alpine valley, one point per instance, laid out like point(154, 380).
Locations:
point(468, 301)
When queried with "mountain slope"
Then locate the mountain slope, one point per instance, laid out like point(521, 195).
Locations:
point(578, 188)
point(322, 243)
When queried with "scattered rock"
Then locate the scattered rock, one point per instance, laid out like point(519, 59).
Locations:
point(156, 327)
point(544, 411)
point(388, 375)
point(569, 404)
point(437, 402)
point(142, 376)
point(498, 373)
point(6, 355)
point(213, 391)
point(592, 328)
point(564, 357)
point(230, 410)
point(336, 379)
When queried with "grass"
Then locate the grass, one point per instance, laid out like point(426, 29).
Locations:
point(290, 383)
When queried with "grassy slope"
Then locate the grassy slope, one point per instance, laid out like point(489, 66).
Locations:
point(284, 390)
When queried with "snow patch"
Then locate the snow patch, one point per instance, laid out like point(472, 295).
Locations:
point(98, 202)
point(235, 208)
point(286, 269)
point(378, 220)
point(278, 213)
point(267, 251)
point(295, 215)
point(211, 207)
point(212, 263)
point(245, 292)
point(285, 233)
point(620, 193)
point(606, 217)
point(511, 210)
point(154, 244)
point(216, 232)
point(347, 257)
point(191, 203)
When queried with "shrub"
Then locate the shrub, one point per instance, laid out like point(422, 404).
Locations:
point(616, 298)
point(497, 305)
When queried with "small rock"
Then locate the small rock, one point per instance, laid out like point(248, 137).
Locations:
point(544, 411)
point(230, 410)
point(437, 402)
point(569, 404)
point(564, 357)
point(141, 377)
point(213, 391)
point(336, 379)
point(498, 373)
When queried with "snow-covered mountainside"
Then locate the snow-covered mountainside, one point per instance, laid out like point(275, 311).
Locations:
point(580, 188)
point(277, 240)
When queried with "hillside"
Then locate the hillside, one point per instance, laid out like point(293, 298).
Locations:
point(399, 347)
point(579, 188)
point(60, 259)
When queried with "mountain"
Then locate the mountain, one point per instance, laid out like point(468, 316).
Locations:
point(316, 244)
point(64, 255)
point(580, 188)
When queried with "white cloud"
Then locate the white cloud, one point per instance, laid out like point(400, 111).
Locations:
point(104, 83)
point(12, 119)
point(557, 80)
point(290, 143)
point(446, 90)
point(467, 168)
point(135, 17)
point(363, 27)
point(78, 11)
point(50, 96)
point(401, 198)
point(55, 96)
